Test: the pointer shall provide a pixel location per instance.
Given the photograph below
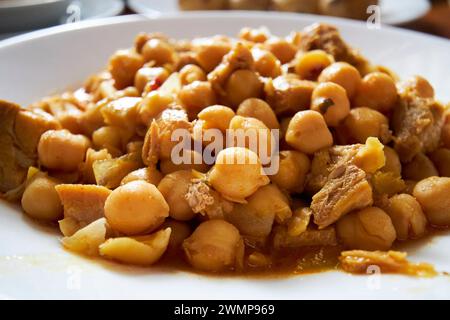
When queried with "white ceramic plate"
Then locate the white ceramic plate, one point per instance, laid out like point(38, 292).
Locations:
point(33, 263)
point(32, 14)
point(392, 11)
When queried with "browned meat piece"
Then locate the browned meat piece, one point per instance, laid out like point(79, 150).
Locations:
point(347, 189)
point(360, 261)
point(287, 95)
point(240, 57)
point(311, 237)
point(417, 124)
point(82, 204)
point(326, 161)
point(202, 199)
point(20, 131)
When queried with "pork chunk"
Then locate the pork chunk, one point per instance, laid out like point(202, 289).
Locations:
point(347, 189)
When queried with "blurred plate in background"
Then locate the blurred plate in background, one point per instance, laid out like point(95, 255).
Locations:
point(392, 11)
point(19, 16)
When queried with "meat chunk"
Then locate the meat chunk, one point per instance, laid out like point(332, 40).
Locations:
point(347, 189)
point(360, 261)
point(326, 161)
point(20, 131)
point(311, 237)
point(82, 204)
point(417, 123)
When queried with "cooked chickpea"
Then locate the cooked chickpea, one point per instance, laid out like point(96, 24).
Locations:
point(136, 207)
point(291, 175)
point(110, 138)
point(419, 168)
point(362, 123)
point(40, 199)
point(197, 96)
point(123, 66)
point(266, 64)
point(210, 51)
point(259, 109)
point(258, 35)
point(282, 49)
point(174, 187)
point(148, 174)
point(392, 163)
point(310, 64)
point(159, 51)
point(190, 73)
point(308, 132)
point(237, 173)
point(367, 229)
point(331, 101)
point(62, 150)
point(168, 166)
point(216, 117)
point(377, 91)
point(241, 85)
point(445, 135)
point(156, 76)
point(180, 232)
point(343, 74)
point(407, 216)
point(215, 245)
point(441, 160)
point(433, 196)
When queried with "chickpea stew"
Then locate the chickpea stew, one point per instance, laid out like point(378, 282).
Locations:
point(362, 159)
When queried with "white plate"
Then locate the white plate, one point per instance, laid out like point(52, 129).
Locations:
point(34, 265)
point(392, 11)
point(20, 19)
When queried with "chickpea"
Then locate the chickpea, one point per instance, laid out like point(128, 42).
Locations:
point(343, 74)
point(331, 101)
point(259, 109)
point(216, 117)
point(308, 132)
point(258, 35)
point(305, 6)
point(241, 85)
point(197, 96)
point(237, 174)
point(62, 150)
point(441, 159)
point(190, 73)
point(215, 245)
point(180, 232)
point(152, 105)
point(310, 64)
point(40, 199)
point(159, 51)
point(168, 166)
point(445, 135)
point(110, 138)
point(282, 49)
point(174, 187)
point(210, 51)
point(392, 163)
point(433, 196)
point(291, 175)
point(148, 174)
point(156, 76)
point(407, 216)
point(419, 168)
point(368, 229)
point(265, 62)
point(123, 66)
point(377, 91)
point(136, 207)
point(418, 86)
point(362, 123)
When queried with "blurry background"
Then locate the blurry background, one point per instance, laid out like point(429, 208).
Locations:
point(19, 16)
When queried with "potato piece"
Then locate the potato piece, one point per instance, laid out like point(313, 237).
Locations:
point(370, 157)
point(86, 168)
point(83, 203)
point(110, 172)
point(143, 251)
point(299, 221)
point(87, 239)
point(122, 113)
